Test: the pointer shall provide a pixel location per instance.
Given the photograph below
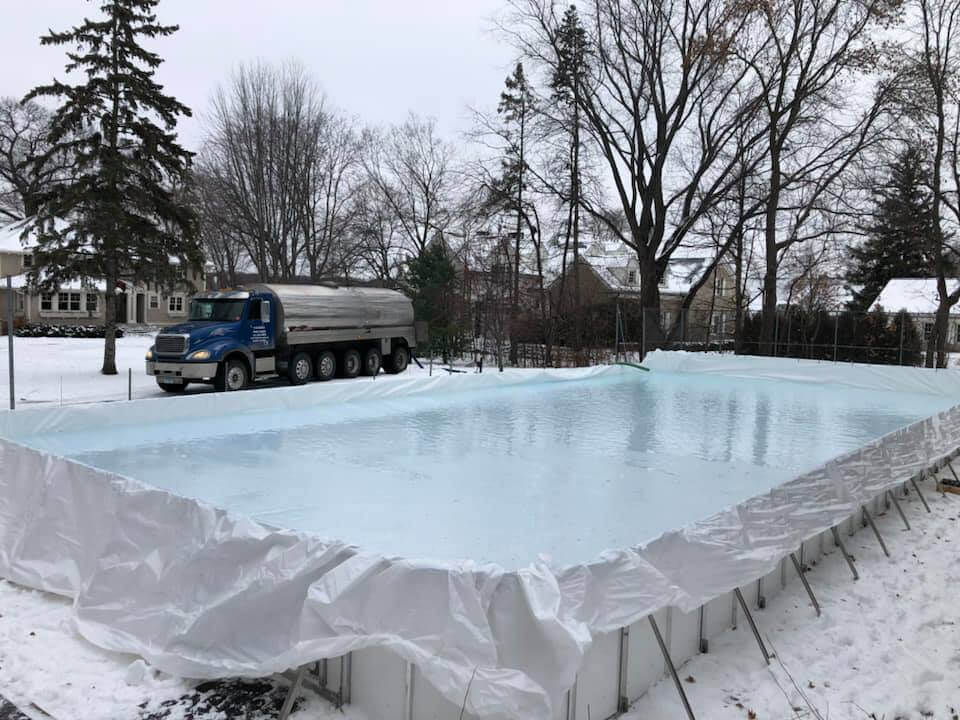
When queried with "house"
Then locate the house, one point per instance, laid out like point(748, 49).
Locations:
point(82, 301)
point(609, 270)
point(920, 297)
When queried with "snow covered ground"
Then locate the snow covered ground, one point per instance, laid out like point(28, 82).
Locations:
point(67, 371)
point(886, 647)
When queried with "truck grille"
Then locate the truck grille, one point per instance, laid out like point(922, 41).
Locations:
point(171, 344)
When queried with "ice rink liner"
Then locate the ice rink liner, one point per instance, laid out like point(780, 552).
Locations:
point(181, 583)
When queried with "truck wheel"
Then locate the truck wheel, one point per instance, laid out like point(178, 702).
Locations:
point(372, 360)
point(301, 369)
point(326, 365)
point(231, 376)
point(176, 389)
point(399, 359)
point(351, 363)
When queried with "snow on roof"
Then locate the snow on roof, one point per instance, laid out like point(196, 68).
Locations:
point(918, 296)
point(682, 273)
point(10, 237)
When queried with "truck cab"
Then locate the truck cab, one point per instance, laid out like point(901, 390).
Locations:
point(233, 337)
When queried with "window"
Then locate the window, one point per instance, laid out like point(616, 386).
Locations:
point(927, 330)
point(956, 333)
point(175, 304)
point(68, 302)
point(27, 260)
point(721, 285)
point(719, 323)
point(46, 301)
point(154, 302)
point(19, 302)
point(92, 302)
point(631, 277)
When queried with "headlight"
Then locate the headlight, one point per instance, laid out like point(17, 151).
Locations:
point(150, 354)
point(199, 355)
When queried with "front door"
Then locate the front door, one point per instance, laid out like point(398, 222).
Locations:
point(259, 326)
point(141, 308)
point(121, 305)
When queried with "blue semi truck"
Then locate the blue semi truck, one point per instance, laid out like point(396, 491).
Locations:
point(300, 332)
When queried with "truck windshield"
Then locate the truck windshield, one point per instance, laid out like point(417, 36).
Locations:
point(217, 310)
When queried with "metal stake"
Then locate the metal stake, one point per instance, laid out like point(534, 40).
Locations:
point(408, 692)
point(896, 504)
point(846, 556)
point(673, 670)
point(873, 526)
point(292, 694)
point(920, 494)
point(704, 643)
point(623, 704)
point(753, 625)
point(129, 383)
point(572, 701)
point(10, 301)
point(806, 585)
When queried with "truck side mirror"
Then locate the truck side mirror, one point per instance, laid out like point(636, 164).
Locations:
point(265, 311)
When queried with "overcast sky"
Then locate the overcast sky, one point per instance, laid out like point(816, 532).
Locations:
point(377, 59)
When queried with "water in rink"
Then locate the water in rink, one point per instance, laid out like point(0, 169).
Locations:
point(563, 469)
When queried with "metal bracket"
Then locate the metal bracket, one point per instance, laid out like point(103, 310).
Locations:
point(806, 585)
point(916, 487)
point(843, 548)
point(673, 670)
point(873, 526)
point(623, 703)
point(896, 504)
point(291, 698)
point(753, 625)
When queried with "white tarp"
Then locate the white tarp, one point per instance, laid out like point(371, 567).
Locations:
point(200, 592)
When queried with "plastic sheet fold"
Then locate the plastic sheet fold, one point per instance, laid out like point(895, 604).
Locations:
point(204, 593)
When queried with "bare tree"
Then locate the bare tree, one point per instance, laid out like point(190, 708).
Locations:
point(27, 168)
point(807, 69)
point(284, 163)
point(667, 91)
point(926, 71)
point(221, 243)
point(411, 168)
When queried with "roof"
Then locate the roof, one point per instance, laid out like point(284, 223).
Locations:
point(10, 237)
point(682, 273)
point(918, 296)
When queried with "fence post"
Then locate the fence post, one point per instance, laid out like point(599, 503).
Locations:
point(776, 330)
point(836, 335)
point(643, 333)
point(900, 360)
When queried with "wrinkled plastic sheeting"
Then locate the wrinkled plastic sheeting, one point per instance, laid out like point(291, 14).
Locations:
point(322, 307)
point(204, 593)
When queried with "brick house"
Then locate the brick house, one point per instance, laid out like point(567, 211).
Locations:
point(610, 270)
point(82, 301)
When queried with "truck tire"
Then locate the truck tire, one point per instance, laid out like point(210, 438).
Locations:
point(174, 389)
point(352, 363)
point(372, 360)
point(301, 368)
point(399, 359)
point(326, 365)
point(231, 375)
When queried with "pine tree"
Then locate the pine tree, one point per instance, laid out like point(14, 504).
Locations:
point(567, 85)
point(903, 232)
point(516, 109)
point(118, 216)
point(430, 280)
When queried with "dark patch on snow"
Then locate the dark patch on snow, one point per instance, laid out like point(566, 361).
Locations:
point(8, 711)
point(248, 699)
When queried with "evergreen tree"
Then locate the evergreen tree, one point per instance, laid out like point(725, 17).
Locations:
point(902, 234)
point(567, 86)
point(430, 280)
point(118, 215)
point(516, 108)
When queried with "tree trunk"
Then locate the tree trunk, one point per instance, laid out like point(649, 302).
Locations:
point(110, 327)
point(650, 296)
point(937, 344)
